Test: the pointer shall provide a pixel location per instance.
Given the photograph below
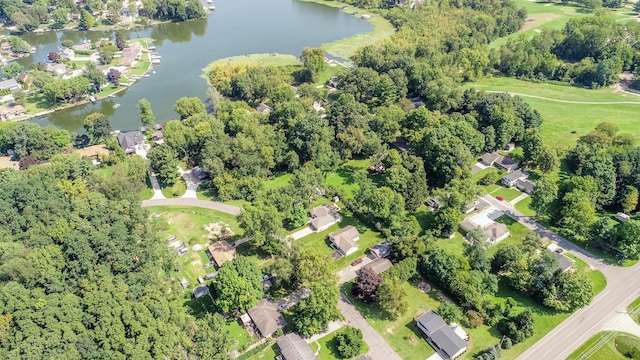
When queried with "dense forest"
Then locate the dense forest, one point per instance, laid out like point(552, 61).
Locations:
point(28, 15)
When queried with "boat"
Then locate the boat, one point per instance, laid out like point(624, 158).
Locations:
point(155, 62)
point(92, 98)
point(111, 96)
point(212, 7)
point(115, 106)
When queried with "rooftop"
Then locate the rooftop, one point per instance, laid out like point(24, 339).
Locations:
point(441, 334)
point(345, 238)
point(516, 175)
point(221, 252)
point(379, 265)
point(266, 317)
point(293, 347)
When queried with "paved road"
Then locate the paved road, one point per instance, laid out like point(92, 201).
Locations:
point(378, 348)
point(229, 209)
point(623, 286)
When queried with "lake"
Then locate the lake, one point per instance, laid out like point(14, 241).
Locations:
point(237, 27)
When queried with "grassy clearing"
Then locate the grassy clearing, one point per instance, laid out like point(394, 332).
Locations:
point(345, 48)
point(319, 241)
point(240, 334)
point(524, 206)
point(187, 224)
point(344, 177)
point(277, 182)
point(268, 353)
point(606, 345)
point(564, 123)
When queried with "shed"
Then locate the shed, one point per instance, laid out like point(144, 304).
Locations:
point(263, 108)
point(622, 217)
point(200, 291)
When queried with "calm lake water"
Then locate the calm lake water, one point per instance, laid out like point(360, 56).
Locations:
point(237, 27)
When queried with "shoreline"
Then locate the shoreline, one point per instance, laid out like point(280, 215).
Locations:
point(347, 47)
point(341, 49)
point(87, 99)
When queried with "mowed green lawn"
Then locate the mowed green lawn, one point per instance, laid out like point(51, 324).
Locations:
point(564, 122)
point(603, 346)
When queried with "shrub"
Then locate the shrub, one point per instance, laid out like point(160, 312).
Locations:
point(507, 343)
point(349, 342)
point(473, 319)
point(449, 312)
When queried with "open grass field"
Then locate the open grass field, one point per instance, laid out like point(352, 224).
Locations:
point(570, 112)
point(268, 353)
point(345, 48)
point(507, 193)
point(344, 179)
point(607, 345)
point(544, 15)
point(328, 347)
point(597, 278)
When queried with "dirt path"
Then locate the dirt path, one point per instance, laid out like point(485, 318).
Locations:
point(568, 101)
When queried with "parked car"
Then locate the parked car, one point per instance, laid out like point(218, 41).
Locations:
point(356, 262)
point(500, 197)
point(559, 250)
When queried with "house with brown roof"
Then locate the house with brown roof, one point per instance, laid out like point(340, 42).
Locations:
point(266, 317)
point(323, 216)
point(133, 51)
point(293, 347)
point(494, 232)
point(221, 252)
point(379, 265)
point(344, 240)
point(499, 161)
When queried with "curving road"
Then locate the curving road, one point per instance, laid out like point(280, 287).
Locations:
point(206, 204)
point(623, 286)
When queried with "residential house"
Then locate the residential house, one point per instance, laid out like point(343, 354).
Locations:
point(94, 152)
point(263, 108)
point(266, 317)
point(440, 335)
point(494, 232)
point(221, 252)
point(525, 185)
point(157, 136)
point(499, 161)
point(56, 69)
point(24, 78)
point(293, 347)
point(129, 140)
point(511, 179)
point(67, 53)
point(622, 217)
point(476, 205)
point(86, 46)
point(379, 265)
point(11, 111)
point(72, 74)
point(322, 217)
point(5, 46)
point(344, 240)
point(564, 262)
point(381, 250)
point(10, 84)
point(132, 52)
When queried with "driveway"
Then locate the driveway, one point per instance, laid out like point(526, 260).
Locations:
point(348, 273)
point(378, 347)
point(206, 204)
point(435, 356)
point(302, 233)
point(157, 190)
